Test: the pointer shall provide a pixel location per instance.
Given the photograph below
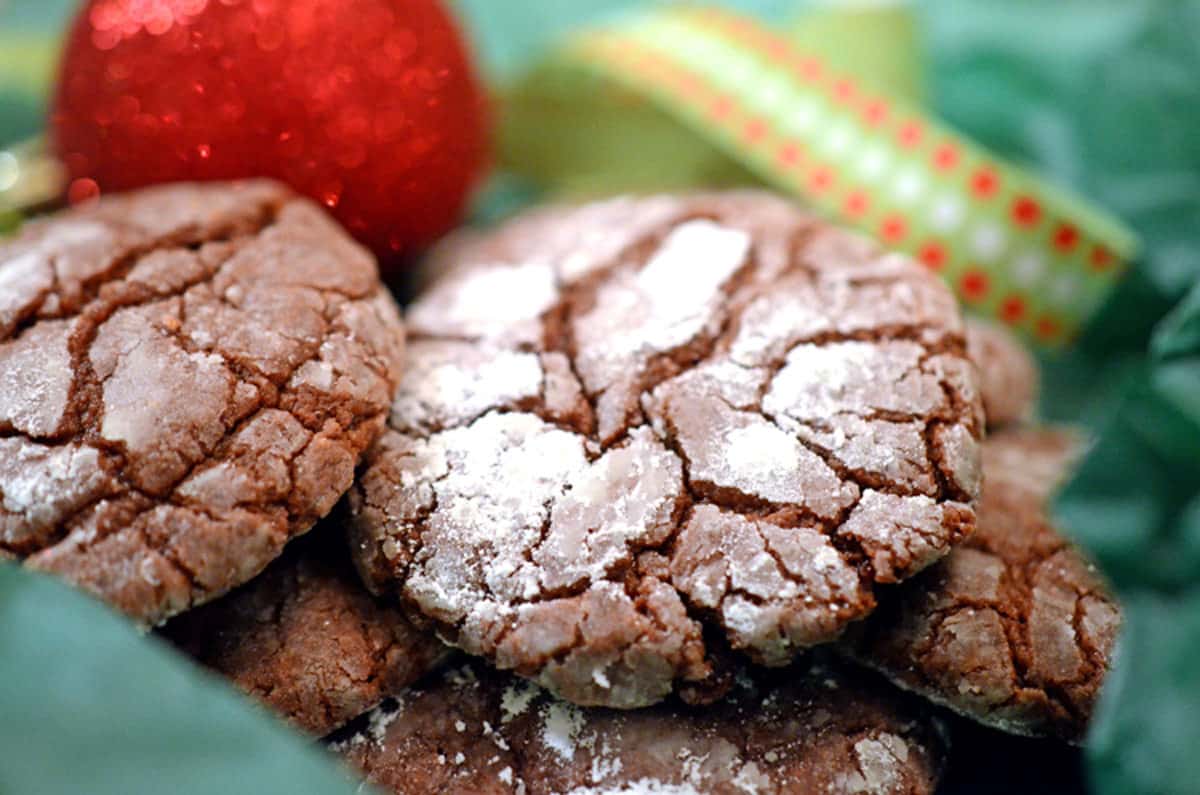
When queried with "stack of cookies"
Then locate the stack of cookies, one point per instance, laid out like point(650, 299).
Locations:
point(664, 495)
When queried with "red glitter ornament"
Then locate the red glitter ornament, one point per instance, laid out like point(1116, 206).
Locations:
point(371, 107)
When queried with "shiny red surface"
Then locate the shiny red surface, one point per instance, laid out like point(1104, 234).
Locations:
point(371, 107)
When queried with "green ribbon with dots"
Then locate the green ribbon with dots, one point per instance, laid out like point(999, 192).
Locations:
point(606, 111)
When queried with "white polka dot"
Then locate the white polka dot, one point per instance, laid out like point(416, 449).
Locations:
point(988, 241)
point(874, 163)
point(802, 117)
point(1028, 269)
point(740, 70)
point(769, 94)
point(1064, 289)
point(710, 53)
point(909, 185)
point(716, 62)
point(839, 139)
point(692, 48)
point(701, 43)
point(948, 213)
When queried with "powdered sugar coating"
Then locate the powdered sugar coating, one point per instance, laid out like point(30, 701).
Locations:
point(774, 587)
point(454, 382)
point(1014, 628)
point(737, 417)
point(188, 377)
point(803, 731)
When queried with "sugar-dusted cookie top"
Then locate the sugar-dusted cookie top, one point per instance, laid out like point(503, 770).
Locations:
point(801, 731)
point(1014, 628)
point(635, 429)
point(188, 377)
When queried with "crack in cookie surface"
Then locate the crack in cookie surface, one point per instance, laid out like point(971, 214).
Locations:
point(189, 376)
point(632, 420)
point(1015, 627)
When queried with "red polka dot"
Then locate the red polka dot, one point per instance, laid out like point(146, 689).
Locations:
point(778, 50)
point(653, 62)
point(1101, 259)
point(689, 84)
point(985, 182)
point(1047, 327)
point(1012, 309)
point(857, 204)
point(1066, 237)
point(910, 135)
point(875, 113)
point(755, 130)
point(811, 69)
point(735, 24)
point(789, 155)
point(894, 228)
point(844, 91)
point(721, 107)
point(1026, 211)
point(945, 157)
point(933, 255)
point(82, 190)
point(974, 285)
point(821, 179)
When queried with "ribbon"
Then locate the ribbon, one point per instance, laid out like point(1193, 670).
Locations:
point(1009, 244)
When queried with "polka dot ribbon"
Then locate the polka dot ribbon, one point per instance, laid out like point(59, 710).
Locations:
point(1008, 243)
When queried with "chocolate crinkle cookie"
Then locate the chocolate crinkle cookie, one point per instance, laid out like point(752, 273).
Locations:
point(188, 377)
point(1008, 374)
point(805, 729)
point(1015, 628)
point(634, 431)
point(306, 638)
